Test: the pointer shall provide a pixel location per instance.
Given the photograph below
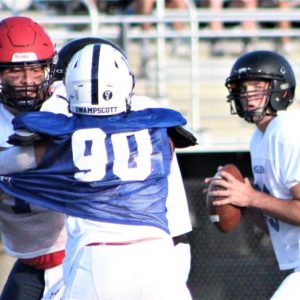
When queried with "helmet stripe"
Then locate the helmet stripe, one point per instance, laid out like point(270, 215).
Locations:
point(94, 73)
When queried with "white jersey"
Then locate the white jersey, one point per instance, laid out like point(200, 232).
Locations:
point(28, 231)
point(275, 156)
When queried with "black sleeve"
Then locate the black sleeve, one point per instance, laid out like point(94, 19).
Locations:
point(21, 140)
point(181, 137)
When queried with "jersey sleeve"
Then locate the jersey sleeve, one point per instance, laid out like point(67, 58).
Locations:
point(19, 158)
point(286, 145)
point(177, 205)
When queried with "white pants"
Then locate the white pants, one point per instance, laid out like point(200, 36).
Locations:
point(141, 271)
point(289, 288)
point(54, 283)
point(183, 259)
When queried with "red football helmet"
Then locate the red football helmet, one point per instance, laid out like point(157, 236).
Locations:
point(24, 44)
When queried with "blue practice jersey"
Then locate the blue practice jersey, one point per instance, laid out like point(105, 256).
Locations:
point(109, 169)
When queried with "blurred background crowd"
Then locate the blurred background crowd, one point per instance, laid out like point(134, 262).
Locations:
point(181, 50)
point(148, 7)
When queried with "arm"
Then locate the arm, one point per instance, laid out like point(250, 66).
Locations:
point(21, 158)
point(16, 159)
point(244, 195)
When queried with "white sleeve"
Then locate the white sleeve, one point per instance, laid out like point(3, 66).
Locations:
point(142, 102)
point(57, 103)
point(177, 206)
point(17, 159)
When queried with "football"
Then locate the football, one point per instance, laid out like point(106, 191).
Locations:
point(226, 217)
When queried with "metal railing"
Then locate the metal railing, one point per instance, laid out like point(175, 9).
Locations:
point(119, 27)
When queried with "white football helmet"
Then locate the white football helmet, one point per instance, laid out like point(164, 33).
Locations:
point(99, 81)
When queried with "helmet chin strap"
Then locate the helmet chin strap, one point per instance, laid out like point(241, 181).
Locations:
point(12, 97)
point(128, 102)
point(22, 105)
point(255, 116)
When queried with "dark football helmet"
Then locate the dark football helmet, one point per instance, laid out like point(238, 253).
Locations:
point(261, 66)
point(25, 44)
point(68, 51)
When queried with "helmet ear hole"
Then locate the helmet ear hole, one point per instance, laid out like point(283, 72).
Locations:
point(277, 103)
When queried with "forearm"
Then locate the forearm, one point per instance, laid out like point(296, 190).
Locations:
point(17, 159)
point(286, 210)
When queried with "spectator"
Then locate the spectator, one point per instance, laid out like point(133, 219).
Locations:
point(179, 47)
point(285, 25)
point(145, 7)
point(284, 45)
point(217, 26)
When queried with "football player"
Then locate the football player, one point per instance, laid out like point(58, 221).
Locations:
point(177, 206)
point(107, 168)
point(34, 235)
point(261, 86)
point(178, 215)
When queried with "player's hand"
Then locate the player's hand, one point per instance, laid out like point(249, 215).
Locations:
point(207, 181)
point(232, 190)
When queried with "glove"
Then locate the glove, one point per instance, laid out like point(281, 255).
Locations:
point(24, 138)
point(181, 137)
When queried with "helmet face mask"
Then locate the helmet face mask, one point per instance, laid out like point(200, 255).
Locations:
point(250, 99)
point(99, 81)
point(25, 46)
point(261, 66)
point(22, 97)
